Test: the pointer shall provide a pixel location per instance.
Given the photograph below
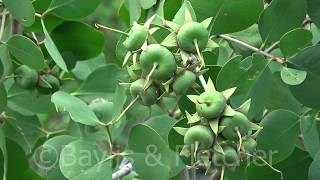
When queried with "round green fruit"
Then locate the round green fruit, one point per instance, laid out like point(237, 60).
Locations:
point(136, 87)
point(26, 77)
point(190, 32)
point(249, 145)
point(136, 37)
point(183, 82)
point(238, 121)
point(200, 134)
point(148, 97)
point(50, 82)
point(160, 56)
point(211, 104)
point(103, 110)
point(230, 157)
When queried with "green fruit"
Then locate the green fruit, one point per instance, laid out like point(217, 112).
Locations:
point(249, 145)
point(162, 57)
point(192, 31)
point(231, 124)
point(200, 134)
point(50, 82)
point(136, 87)
point(211, 104)
point(26, 77)
point(183, 82)
point(103, 110)
point(148, 97)
point(136, 37)
point(229, 158)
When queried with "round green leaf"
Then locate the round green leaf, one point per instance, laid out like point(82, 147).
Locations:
point(82, 160)
point(22, 10)
point(96, 81)
point(73, 9)
point(281, 16)
point(308, 126)
point(279, 135)
point(229, 15)
point(307, 92)
point(3, 97)
point(77, 41)
point(293, 76)
point(294, 41)
point(26, 51)
point(79, 111)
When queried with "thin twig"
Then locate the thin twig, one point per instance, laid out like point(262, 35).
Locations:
point(272, 47)
point(123, 171)
point(185, 174)
point(241, 43)
point(110, 29)
point(201, 79)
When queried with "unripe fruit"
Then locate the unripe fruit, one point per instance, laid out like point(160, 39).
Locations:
point(136, 37)
point(162, 57)
point(229, 158)
point(249, 145)
point(183, 82)
point(238, 121)
point(103, 110)
point(192, 31)
point(148, 97)
point(211, 104)
point(200, 134)
point(49, 82)
point(26, 77)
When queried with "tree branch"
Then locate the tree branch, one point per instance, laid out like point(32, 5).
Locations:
point(241, 43)
point(124, 169)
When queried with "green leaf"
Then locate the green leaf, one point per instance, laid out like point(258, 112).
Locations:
point(313, 11)
point(96, 81)
point(314, 172)
point(308, 126)
point(228, 15)
point(22, 10)
point(73, 9)
point(82, 160)
point(147, 4)
point(47, 156)
point(6, 60)
point(295, 167)
point(26, 51)
point(77, 41)
point(179, 18)
point(279, 134)
point(23, 130)
point(294, 41)
point(147, 152)
point(79, 111)
point(1, 69)
point(52, 49)
point(162, 125)
point(284, 100)
point(3, 149)
point(3, 97)
point(306, 92)
point(134, 8)
point(293, 76)
point(280, 17)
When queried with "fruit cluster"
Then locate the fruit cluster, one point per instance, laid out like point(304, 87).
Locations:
point(169, 68)
point(28, 78)
point(226, 134)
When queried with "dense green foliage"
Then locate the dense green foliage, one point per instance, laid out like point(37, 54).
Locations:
point(166, 88)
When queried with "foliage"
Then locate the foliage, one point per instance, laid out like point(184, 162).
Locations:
point(213, 89)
